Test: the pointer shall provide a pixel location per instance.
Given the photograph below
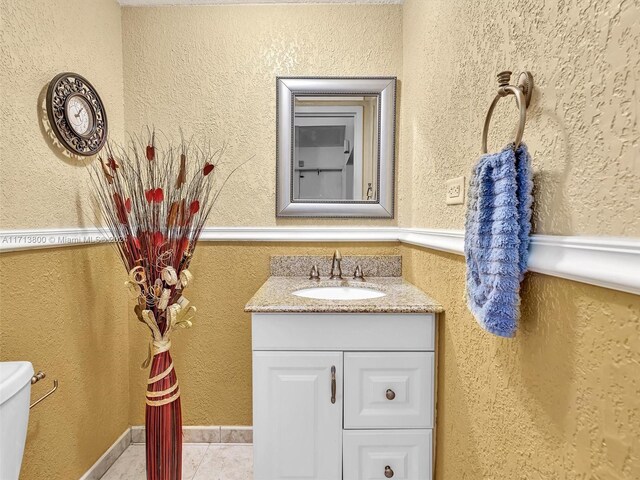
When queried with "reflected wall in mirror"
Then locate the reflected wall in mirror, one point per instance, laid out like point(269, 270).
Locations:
point(336, 147)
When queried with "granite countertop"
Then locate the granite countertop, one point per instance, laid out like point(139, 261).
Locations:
point(400, 297)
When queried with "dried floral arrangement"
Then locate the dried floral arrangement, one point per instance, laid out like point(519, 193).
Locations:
point(155, 200)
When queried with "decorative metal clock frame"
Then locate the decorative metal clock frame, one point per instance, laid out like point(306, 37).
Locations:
point(62, 89)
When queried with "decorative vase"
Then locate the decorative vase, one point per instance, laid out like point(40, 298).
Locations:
point(163, 421)
point(155, 203)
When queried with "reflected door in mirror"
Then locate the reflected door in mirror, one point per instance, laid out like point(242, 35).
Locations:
point(335, 156)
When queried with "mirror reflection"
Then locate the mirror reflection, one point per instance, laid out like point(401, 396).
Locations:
point(335, 155)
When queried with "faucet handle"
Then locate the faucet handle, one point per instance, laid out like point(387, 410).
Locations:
point(358, 274)
point(314, 274)
point(336, 269)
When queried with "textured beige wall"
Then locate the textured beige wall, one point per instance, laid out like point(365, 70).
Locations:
point(213, 358)
point(583, 126)
point(40, 186)
point(64, 311)
point(211, 71)
point(560, 401)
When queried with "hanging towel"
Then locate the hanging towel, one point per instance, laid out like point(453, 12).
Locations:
point(496, 239)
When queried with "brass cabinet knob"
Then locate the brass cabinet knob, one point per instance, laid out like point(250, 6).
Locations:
point(388, 472)
point(390, 394)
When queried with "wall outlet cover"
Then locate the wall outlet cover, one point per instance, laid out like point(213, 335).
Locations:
point(455, 191)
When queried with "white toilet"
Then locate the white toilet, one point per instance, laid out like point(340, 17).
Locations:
point(15, 392)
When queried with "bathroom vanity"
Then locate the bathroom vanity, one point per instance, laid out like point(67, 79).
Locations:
point(343, 389)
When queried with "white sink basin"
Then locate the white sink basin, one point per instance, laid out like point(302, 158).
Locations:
point(339, 293)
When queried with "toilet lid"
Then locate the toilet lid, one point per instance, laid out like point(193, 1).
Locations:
point(13, 376)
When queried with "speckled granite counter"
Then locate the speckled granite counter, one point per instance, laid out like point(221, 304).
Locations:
point(275, 295)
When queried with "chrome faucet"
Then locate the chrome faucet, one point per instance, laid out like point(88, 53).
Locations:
point(337, 258)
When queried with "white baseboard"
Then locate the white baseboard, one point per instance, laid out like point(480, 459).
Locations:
point(604, 261)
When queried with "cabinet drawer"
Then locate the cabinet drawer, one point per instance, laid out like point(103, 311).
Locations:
point(388, 390)
point(383, 454)
point(347, 332)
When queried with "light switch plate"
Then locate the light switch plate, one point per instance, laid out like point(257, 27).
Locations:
point(455, 191)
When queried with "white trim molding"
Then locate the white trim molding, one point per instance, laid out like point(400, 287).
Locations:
point(451, 241)
point(604, 261)
point(15, 240)
point(153, 3)
point(300, 234)
point(609, 262)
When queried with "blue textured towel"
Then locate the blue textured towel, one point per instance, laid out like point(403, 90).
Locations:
point(496, 238)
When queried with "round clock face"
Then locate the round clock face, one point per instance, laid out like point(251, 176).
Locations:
point(80, 115)
point(76, 114)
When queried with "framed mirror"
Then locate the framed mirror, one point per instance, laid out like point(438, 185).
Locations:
point(335, 147)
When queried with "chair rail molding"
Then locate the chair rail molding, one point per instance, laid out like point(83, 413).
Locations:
point(611, 262)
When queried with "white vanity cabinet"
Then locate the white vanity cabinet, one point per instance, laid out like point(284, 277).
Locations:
point(343, 396)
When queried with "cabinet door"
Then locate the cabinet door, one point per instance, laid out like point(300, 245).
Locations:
point(297, 427)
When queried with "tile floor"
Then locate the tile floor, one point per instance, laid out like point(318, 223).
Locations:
point(200, 461)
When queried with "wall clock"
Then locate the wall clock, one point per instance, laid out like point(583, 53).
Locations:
point(76, 114)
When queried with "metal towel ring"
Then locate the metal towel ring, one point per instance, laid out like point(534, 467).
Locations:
point(522, 92)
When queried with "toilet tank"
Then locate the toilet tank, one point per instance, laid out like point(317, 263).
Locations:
point(15, 390)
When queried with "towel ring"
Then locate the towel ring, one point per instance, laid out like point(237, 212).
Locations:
point(522, 92)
